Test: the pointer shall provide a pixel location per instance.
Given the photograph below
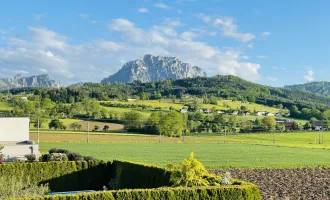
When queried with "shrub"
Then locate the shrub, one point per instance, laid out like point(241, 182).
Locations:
point(75, 157)
point(57, 157)
point(58, 151)
point(31, 157)
point(190, 172)
point(1, 155)
point(14, 187)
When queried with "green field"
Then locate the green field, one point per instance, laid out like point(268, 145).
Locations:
point(212, 155)
point(5, 107)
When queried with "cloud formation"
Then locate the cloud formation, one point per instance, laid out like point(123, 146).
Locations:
point(309, 77)
point(143, 10)
point(45, 51)
point(161, 5)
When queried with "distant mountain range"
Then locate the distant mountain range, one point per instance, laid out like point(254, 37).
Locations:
point(154, 68)
point(19, 81)
point(321, 88)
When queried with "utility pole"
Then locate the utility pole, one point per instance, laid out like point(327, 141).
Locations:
point(88, 131)
point(38, 131)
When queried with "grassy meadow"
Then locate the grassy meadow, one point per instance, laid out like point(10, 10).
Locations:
point(212, 155)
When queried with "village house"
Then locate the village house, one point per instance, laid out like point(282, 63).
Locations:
point(260, 113)
point(235, 112)
point(319, 125)
point(246, 113)
point(288, 124)
point(183, 110)
point(279, 114)
point(269, 114)
point(207, 110)
point(220, 112)
point(200, 110)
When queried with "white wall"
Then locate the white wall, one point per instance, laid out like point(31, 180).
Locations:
point(14, 129)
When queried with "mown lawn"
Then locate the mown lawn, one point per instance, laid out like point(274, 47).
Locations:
point(212, 155)
point(5, 107)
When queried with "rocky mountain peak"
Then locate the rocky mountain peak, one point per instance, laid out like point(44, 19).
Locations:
point(153, 68)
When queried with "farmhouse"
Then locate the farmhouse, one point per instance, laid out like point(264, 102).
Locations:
point(269, 114)
point(235, 112)
point(14, 136)
point(319, 125)
point(183, 111)
point(246, 113)
point(260, 113)
point(207, 111)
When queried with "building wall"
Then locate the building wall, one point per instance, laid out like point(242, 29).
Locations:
point(14, 129)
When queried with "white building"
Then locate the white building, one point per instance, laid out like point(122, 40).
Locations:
point(14, 136)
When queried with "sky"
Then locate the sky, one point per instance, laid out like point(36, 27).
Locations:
point(273, 43)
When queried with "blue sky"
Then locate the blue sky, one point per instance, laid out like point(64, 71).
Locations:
point(274, 43)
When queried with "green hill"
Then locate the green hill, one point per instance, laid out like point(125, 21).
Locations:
point(322, 88)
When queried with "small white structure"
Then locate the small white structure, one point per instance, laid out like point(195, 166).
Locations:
point(14, 136)
point(234, 112)
point(246, 113)
point(270, 114)
point(183, 111)
point(220, 112)
point(260, 113)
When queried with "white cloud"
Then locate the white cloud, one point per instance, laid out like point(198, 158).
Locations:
point(250, 46)
point(43, 50)
point(265, 34)
point(272, 79)
point(143, 10)
point(245, 57)
point(205, 18)
point(309, 76)
point(229, 29)
point(161, 5)
point(38, 17)
point(263, 57)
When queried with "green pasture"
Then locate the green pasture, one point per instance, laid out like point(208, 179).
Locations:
point(5, 107)
point(213, 155)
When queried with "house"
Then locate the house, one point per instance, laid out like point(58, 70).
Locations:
point(207, 111)
point(131, 99)
point(220, 112)
point(288, 124)
point(319, 125)
point(14, 136)
point(200, 110)
point(279, 114)
point(269, 114)
point(24, 98)
point(235, 112)
point(260, 113)
point(246, 113)
point(183, 111)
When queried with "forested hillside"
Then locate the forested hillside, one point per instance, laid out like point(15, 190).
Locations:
point(322, 88)
point(226, 87)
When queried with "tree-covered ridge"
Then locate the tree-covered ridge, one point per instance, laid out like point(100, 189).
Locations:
point(322, 88)
point(226, 87)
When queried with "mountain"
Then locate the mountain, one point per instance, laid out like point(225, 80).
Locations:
point(154, 68)
point(33, 81)
point(322, 88)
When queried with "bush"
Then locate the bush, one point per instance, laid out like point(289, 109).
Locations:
point(57, 157)
point(14, 187)
point(190, 172)
point(58, 151)
point(75, 157)
point(31, 157)
point(246, 192)
point(131, 175)
point(61, 176)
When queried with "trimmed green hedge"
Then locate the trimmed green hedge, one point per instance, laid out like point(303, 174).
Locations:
point(62, 176)
point(243, 192)
point(131, 175)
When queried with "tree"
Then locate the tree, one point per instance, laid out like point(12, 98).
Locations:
point(79, 127)
point(41, 122)
point(133, 120)
point(96, 128)
point(213, 100)
point(56, 124)
point(307, 126)
point(106, 128)
point(171, 124)
point(269, 123)
point(74, 126)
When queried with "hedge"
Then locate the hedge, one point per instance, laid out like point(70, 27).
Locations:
point(131, 175)
point(243, 192)
point(62, 176)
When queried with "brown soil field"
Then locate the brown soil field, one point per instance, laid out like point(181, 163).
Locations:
point(284, 184)
point(113, 127)
point(95, 137)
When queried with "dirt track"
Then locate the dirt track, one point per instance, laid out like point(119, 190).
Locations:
point(305, 183)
